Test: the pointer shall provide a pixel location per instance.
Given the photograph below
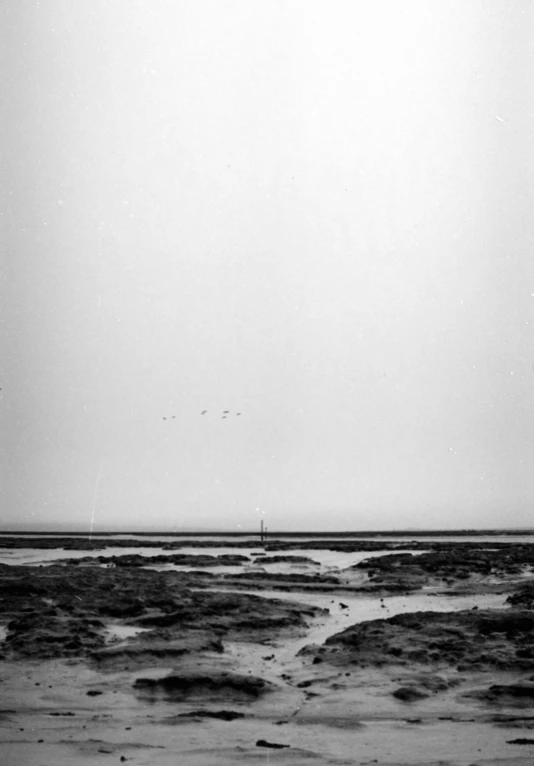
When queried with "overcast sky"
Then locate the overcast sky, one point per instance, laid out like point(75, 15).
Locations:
point(317, 214)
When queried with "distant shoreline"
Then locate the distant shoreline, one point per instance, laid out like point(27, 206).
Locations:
point(279, 533)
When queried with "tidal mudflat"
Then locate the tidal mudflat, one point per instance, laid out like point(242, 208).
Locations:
point(292, 651)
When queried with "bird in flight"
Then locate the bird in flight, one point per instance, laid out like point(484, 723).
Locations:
point(225, 412)
point(203, 412)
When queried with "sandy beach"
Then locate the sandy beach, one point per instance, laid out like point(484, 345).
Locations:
point(300, 652)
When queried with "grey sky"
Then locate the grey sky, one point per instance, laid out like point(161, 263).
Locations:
point(318, 214)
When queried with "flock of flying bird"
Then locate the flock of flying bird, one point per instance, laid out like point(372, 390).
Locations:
point(224, 415)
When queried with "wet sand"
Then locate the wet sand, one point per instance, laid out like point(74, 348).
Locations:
point(322, 655)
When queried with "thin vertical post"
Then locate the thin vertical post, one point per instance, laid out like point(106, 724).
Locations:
point(261, 531)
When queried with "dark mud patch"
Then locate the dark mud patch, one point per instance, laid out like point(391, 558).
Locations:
point(62, 611)
point(467, 640)
point(272, 745)
point(519, 694)
point(523, 597)
point(229, 614)
point(215, 685)
point(51, 634)
point(176, 559)
point(410, 694)
point(287, 559)
point(419, 686)
point(448, 563)
point(199, 715)
point(520, 741)
point(281, 578)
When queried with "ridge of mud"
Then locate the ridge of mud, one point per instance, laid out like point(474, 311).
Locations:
point(466, 640)
point(523, 596)
point(284, 559)
point(182, 686)
point(518, 694)
point(221, 715)
point(282, 577)
point(448, 563)
point(179, 559)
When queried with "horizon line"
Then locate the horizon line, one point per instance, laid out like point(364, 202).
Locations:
point(419, 531)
